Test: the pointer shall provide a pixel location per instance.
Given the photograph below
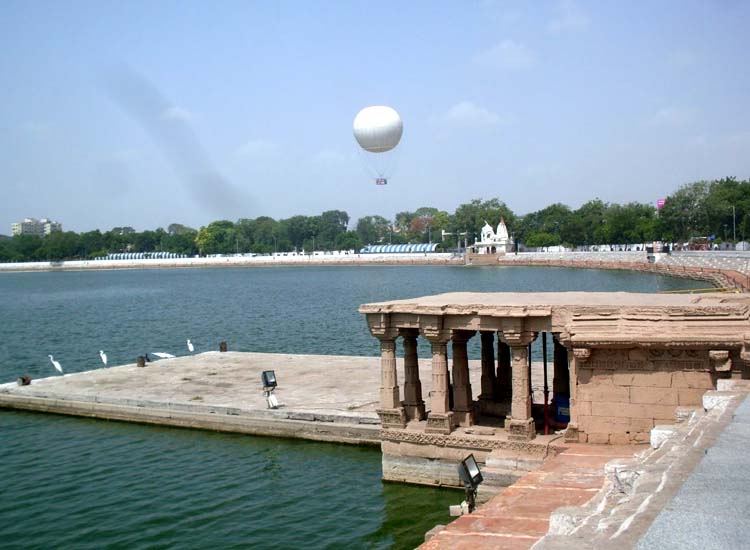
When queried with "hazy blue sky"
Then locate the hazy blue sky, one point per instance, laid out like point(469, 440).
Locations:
point(108, 110)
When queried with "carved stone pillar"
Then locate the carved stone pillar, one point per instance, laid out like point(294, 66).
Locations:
point(488, 366)
point(580, 356)
point(504, 378)
point(561, 376)
point(413, 402)
point(439, 419)
point(391, 412)
point(520, 425)
point(463, 407)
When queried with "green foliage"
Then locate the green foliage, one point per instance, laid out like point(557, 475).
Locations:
point(695, 210)
point(217, 238)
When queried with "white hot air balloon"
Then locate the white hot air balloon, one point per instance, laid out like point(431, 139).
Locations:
point(378, 131)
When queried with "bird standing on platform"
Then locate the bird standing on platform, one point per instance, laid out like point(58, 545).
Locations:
point(103, 356)
point(191, 347)
point(55, 364)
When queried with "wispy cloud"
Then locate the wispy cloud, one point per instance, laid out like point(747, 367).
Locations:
point(672, 116)
point(258, 148)
point(508, 54)
point(466, 113)
point(177, 113)
point(570, 17)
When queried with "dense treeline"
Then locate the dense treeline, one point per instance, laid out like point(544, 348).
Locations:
point(720, 208)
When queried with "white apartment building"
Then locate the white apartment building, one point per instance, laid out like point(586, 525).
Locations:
point(32, 226)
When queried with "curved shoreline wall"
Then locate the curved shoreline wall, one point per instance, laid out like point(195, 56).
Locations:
point(729, 271)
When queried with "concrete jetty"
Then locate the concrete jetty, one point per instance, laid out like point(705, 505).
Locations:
point(322, 397)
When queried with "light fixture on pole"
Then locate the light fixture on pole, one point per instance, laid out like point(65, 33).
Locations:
point(268, 377)
point(471, 477)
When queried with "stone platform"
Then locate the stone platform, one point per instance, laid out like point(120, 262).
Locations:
point(322, 397)
point(328, 398)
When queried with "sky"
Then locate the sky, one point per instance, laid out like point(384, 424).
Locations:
point(151, 113)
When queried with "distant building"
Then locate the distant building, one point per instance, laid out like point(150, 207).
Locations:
point(32, 226)
point(493, 242)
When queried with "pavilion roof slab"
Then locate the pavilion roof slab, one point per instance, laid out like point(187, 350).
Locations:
point(593, 318)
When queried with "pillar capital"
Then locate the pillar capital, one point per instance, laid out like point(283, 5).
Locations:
point(720, 359)
point(436, 336)
point(385, 333)
point(408, 333)
point(518, 338)
point(582, 354)
point(745, 351)
point(462, 336)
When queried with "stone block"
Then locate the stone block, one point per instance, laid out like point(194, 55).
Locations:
point(653, 379)
point(655, 396)
point(713, 399)
point(598, 438)
point(591, 376)
point(733, 385)
point(691, 397)
point(608, 393)
point(641, 424)
point(660, 434)
point(603, 424)
point(620, 439)
point(633, 410)
point(581, 407)
point(692, 379)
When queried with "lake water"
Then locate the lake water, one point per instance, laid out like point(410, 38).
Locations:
point(78, 483)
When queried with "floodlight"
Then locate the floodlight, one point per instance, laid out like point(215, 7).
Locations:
point(269, 379)
point(468, 471)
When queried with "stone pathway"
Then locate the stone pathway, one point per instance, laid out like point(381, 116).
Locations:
point(519, 516)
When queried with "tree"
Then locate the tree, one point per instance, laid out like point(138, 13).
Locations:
point(330, 225)
point(216, 238)
point(373, 229)
point(348, 241)
point(471, 216)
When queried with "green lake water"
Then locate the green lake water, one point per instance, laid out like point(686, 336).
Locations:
point(76, 483)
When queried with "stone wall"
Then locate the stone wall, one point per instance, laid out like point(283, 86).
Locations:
point(622, 394)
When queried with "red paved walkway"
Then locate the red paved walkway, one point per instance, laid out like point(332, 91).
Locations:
point(519, 516)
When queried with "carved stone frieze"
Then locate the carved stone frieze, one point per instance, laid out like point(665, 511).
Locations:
point(646, 360)
point(461, 441)
point(582, 355)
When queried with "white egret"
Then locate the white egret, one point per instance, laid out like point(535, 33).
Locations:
point(191, 347)
point(162, 355)
point(55, 364)
point(103, 356)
